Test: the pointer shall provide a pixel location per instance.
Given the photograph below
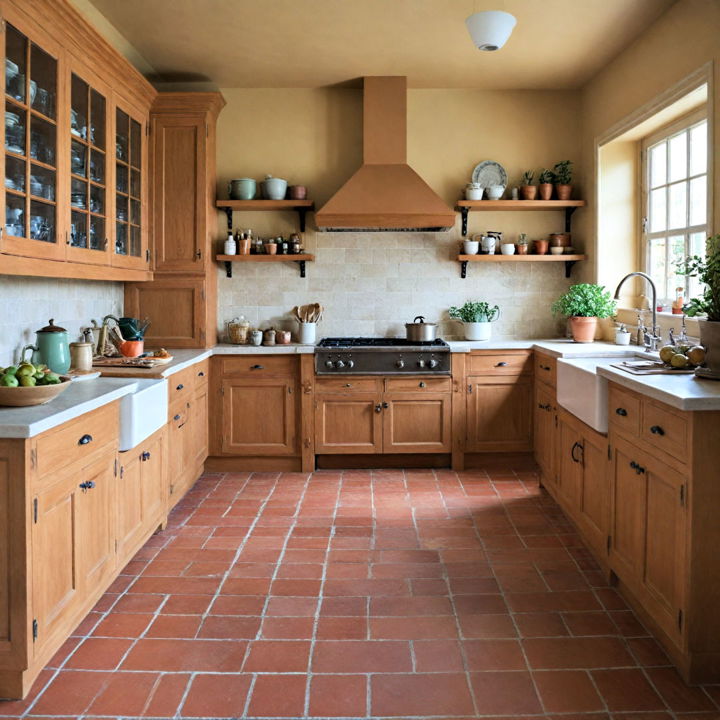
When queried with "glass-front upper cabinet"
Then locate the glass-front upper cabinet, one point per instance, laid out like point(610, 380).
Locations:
point(130, 163)
point(89, 228)
point(31, 223)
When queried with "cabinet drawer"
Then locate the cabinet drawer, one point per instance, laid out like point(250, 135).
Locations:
point(181, 385)
point(258, 365)
point(624, 410)
point(77, 439)
point(201, 372)
point(546, 369)
point(350, 385)
point(500, 364)
point(416, 384)
point(665, 430)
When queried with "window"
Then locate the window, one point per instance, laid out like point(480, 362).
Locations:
point(675, 201)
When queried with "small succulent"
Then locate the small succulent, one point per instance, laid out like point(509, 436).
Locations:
point(563, 172)
point(522, 239)
point(546, 176)
point(527, 177)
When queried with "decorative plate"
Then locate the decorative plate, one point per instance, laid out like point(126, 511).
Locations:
point(490, 173)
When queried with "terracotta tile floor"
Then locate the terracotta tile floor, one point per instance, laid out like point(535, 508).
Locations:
point(364, 594)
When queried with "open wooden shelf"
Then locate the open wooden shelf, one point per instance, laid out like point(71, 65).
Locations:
point(230, 259)
point(298, 206)
point(569, 260)
point(466, 206)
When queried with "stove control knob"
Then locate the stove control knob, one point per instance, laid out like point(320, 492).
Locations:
point(400, 364)
point(351, 363)
point(329, 364)
point(433, 363)
point(421, 363)
point(340, 364)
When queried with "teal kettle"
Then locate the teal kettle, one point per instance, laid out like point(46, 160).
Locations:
point(52, 347)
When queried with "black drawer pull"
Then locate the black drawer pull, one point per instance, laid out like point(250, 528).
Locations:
point(621, 411)
point(378, 408)
point(422, 384)
point(145, 456)
point(177, 417)
point(85, 439)
point(657, 430)
point(546, 406)
point(572, 452)
point(545, 367)
point(85, 486)
point(385, 405)
point(201, 374)
point(639, 469)
point(180, 387)
point(501, 364)
point(257, 367)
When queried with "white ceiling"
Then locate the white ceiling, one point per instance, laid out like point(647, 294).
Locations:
point(315, 43)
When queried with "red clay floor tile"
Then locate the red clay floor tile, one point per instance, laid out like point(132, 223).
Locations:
point(420, 694)
point(215, 696)
point(338, 695)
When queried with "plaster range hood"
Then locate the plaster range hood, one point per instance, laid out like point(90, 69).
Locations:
point(385, 194)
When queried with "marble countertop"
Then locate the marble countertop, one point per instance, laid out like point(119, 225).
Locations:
point(556, 347)
point(78, 399)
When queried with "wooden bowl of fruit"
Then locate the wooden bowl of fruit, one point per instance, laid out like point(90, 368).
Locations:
point(26, 385)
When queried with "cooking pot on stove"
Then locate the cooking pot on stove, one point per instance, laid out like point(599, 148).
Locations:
point(420, 331)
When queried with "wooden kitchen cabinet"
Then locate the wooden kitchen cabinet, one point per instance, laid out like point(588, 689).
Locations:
point(417, 423)
point(544, 428)
point(348, 423)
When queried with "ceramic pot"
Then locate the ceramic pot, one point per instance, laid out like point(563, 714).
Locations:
point(477, 330)
point(495, 192)
point(298, 192)
point(132, 348)
point(488, 244)
point(81, 356)
point(256, 337)
point(557, 250)
point(507, 249)
point(244, 246)
point(521, 249)
point(583, 329)
point(545, 191)
point(710, 340)
point(471, 247)
point(540, 247)
point(242, 189)
point(473, 191)
point(528, 192)
point(308, 333)
point(559, 239)
point(563, 192)
point(274, 188)
point(271, 248)
point(282, 337)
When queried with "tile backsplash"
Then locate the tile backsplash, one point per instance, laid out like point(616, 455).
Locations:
point(371, 284)
point(28, 303)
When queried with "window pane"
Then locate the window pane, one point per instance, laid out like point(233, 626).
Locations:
point(658, 165)
point(656, 263)
point(658, 210)
point(677, 254)
point(678, 157)
point(678, 205)
point(698, 200)
point(697, 247)
point(698, 149)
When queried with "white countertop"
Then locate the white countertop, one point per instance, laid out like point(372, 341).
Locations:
point(289, 349)
point(78, 399)
point(556, 347)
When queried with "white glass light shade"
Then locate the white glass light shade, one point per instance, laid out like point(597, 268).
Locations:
point(491, 29)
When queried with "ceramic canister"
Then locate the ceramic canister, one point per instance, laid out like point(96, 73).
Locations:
point(242, 189)
point(274, 188)
point(52, 343)
point(81, 355)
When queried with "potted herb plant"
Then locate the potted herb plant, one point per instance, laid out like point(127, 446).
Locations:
point(563, 178)
point(476, 318)
point(707, 270)
point(528, 191)
point(584, 304)
point(545, 184)
point(521, 246)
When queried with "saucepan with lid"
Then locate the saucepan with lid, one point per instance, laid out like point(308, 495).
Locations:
point(421, 331)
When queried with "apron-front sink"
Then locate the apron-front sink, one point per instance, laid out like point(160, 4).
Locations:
point(143, 412)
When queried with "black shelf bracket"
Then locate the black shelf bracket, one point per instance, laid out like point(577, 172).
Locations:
point(568, 267)
point(228, 269)
point(568, 214)
point(229, 213)
point(463, 269)
point(301, 216)
point(464, 214)
point(301, 263)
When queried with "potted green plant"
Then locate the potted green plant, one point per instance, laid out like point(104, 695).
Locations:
point(476, 318)
point(528, 191)
point(707, 270)
point(521, 246)
point(563, 178)
point(545, 184)
point(583, 304)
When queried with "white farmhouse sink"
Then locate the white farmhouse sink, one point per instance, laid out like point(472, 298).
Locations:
point(584, 393)
point(143, 412)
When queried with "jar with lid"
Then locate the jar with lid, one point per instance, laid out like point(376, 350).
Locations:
point(269, 337)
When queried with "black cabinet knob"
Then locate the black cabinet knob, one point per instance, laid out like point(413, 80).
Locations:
point(378, 408)
point(201, 374)
point(180, 387)
point(621, 411)
point(257, 367)
point(177, 417)
point(85, 486)
point(385, 406)
point(85, 439)
point(501, 364)
point(145, 456)
point(657, 430)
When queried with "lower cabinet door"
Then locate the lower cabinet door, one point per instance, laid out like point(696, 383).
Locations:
point(544, 433)
point(259, 416)
point(416, 423)
point(200, 426)
point(570, 463)
point(348, 423)
point(154, 478)
point(499, 413)
point(177, 437)
point(593, 515)
point(129, 503)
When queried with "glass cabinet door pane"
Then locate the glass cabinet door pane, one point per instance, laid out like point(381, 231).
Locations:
point(97, 167)
point(98, 240)
point(78, 159)
point(121, 179)
point(97, 200)
point(42, 140)
point(43, 82)
point(135, 241)
point(135, 183)
point(78, 194)
point(79, 108)
point(135, 211)
point(78, 230)
point(121, 239)
point(15, 174)
point(121, 208)
point(42, 182)
point(15, 215)
point(121, 135)
point(135, 143)
point(42, 221)
point(15, 63)
point(15, 129)
point(97, 119)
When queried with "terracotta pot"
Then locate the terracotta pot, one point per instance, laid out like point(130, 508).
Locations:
point(545, 191)
point(563, 192)
point(583, 329)
point(528, 192)
point(540, 247)
point(710, 340)
point(521, 249)
point(559, 239)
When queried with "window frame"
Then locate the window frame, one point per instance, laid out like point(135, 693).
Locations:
point(665, 133)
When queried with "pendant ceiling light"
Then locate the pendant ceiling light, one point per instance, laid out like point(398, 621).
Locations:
point(491, 29)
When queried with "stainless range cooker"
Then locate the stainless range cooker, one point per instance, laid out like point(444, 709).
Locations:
point(381, 356)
